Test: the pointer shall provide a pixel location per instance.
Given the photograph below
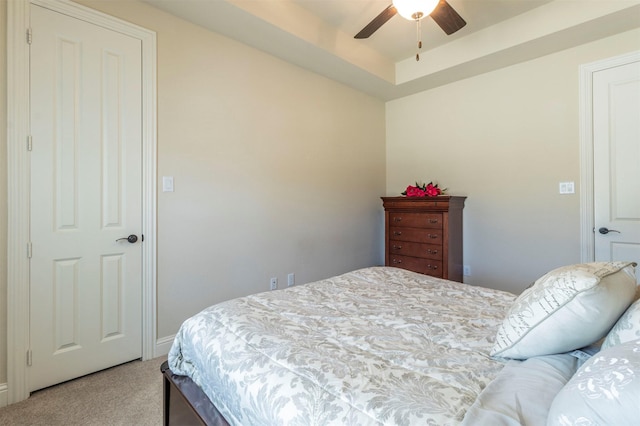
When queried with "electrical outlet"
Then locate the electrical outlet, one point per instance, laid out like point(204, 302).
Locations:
point(291, 279)
point(466, 270)
point(273, 284)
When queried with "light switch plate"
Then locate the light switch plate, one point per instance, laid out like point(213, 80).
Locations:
point(567, 188)
point(167, 183)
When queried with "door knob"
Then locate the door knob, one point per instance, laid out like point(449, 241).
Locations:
point(131, 238)
point(605, 231)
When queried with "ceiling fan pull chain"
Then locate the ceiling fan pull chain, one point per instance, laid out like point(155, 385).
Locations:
point(419, 37)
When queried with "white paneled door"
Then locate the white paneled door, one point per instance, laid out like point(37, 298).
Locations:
point(616, 135)
point(86, 285)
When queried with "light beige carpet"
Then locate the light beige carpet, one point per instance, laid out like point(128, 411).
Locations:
point(130, 394)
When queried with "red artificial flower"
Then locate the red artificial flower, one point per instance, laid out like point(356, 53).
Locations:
point(432, 190)
point(414, 191)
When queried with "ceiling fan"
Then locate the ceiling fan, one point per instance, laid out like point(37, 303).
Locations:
point(440, 11)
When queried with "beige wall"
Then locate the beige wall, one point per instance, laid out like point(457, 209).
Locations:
point(276, 170)
point(3, 191)
point(504, 139)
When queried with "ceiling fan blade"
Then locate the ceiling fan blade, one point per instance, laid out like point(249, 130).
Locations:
point(377, 22)
point(447, 18)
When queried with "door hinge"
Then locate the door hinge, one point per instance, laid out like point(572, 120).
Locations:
point(29, 36)
point(29, 358)
point(29, 143)
point(29, 250)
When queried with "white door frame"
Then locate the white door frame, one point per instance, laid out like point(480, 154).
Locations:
point(18, 173)
point(587, 215)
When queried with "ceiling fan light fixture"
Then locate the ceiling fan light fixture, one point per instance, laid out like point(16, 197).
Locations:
point(415, 10)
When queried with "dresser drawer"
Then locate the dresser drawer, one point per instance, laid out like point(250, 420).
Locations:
point(417, 235)
point(416, 220)
point(406, 248)
point(415, 264)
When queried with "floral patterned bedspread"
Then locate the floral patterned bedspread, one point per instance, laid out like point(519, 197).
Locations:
point(374, 346)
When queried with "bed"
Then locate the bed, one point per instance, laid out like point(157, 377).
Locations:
point(379, 345)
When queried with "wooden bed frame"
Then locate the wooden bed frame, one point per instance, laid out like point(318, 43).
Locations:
point(185, 404)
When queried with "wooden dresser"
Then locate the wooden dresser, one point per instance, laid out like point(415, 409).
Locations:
point(424, 234)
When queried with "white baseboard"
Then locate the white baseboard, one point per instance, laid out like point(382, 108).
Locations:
point(163, 345)
point(4, 394)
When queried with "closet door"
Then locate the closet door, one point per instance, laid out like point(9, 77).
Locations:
point(616, 134)
point(85, 282)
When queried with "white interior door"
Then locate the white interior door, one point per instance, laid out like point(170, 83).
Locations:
point(85, 287)
point(616, 134)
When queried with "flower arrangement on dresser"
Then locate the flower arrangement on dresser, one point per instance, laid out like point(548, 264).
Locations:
point(423, 190)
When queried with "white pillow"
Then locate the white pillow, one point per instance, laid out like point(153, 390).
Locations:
point(604, 391)
point(626, 329)
point(566, 309)
point(523, 392)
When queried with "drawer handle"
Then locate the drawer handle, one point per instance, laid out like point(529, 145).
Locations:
point(397, 219)
point(432, 267)
point(432, 251)
point(433, 220)
point(395, 247)
point(433, 236)
point(397, 232)
point(396, 261)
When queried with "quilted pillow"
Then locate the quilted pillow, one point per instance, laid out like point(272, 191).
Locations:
point(627, 328)
point(604, 391)
point(566, 309)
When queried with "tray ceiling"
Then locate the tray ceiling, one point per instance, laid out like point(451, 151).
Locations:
point(318, 35)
